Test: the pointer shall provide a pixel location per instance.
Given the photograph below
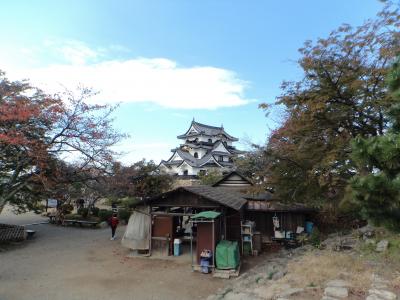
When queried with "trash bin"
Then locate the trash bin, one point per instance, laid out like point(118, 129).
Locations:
point(206, 260)
point(205, 265)
point(177, 247)
point(309, 227)
point(30, 233)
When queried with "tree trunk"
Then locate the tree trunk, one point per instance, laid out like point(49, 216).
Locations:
point(3, 202)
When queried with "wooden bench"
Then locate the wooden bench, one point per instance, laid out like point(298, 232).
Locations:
point(80, 222)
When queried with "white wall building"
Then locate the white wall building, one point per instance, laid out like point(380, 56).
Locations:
point(204, 147)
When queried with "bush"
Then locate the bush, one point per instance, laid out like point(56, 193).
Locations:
point(315, 238)
point(80, 217)
point(67, 208)
point(104, 214)
point(129, 202)
point(83, 212)
point(73, 217)
point(95, 211)
point(124, 215)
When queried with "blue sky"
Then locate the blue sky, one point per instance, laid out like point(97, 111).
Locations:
point(169, 61)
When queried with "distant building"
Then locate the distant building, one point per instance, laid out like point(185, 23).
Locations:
point(204, 148)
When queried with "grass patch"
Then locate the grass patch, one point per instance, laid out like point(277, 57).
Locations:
point(320, 267)
point(271, 275)
point(390, 258)
point(312, 284)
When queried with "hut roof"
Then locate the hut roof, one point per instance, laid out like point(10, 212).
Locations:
point(276, 206)
point(226, 180)
point(219, 195)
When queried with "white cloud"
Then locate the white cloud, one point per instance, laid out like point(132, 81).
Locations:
point(155, 80)
point(72, 51)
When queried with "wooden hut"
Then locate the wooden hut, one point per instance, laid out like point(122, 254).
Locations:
point(290, 217)
point(170, 210)
point(261, 208)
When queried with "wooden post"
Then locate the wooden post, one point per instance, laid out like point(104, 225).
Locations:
point(213, 242)
point(151, 231)
point(191, 245)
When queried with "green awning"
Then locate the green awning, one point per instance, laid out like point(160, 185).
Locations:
point(206, 215)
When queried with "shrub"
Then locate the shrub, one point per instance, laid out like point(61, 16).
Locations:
point(315, 238)
point(104, 214)
point(73, 217)
point(67, 208)
point(95, 211)
point(124, 215)
point(129, 202)
point(83, 212)
point(80, 217)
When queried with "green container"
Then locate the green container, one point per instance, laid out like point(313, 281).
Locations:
point(227, 255)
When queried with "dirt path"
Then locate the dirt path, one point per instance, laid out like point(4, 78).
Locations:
point(74, 263)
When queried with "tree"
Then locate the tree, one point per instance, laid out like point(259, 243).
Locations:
point(37, 131)
point(375, 192)
point(252, 163)
point(341, 95)
point(148, 181)
point(210, 177)
point(140, 180)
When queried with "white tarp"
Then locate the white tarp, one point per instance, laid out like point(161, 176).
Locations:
point(137, 233)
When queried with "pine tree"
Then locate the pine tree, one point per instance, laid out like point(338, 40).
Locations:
point(376, 190)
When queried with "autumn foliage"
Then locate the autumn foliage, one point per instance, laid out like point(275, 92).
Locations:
point(38, 131)
point(342, 95)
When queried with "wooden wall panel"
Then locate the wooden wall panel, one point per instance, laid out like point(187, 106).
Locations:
point(162, 226)
point(233, 220)
point(205, 237)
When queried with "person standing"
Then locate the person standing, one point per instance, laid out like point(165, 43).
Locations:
point(113, 221)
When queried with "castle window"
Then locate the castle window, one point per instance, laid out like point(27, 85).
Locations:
point(210, 140)
point(220, 158)
point(185, 172)
point(196, 155)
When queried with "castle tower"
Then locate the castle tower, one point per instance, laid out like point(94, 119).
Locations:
point(203, 148)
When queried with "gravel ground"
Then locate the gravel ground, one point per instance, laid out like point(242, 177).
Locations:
point(82, 263)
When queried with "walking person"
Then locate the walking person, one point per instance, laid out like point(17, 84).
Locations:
point(113, 221)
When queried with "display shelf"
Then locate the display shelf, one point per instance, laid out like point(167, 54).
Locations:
point(247, 232)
